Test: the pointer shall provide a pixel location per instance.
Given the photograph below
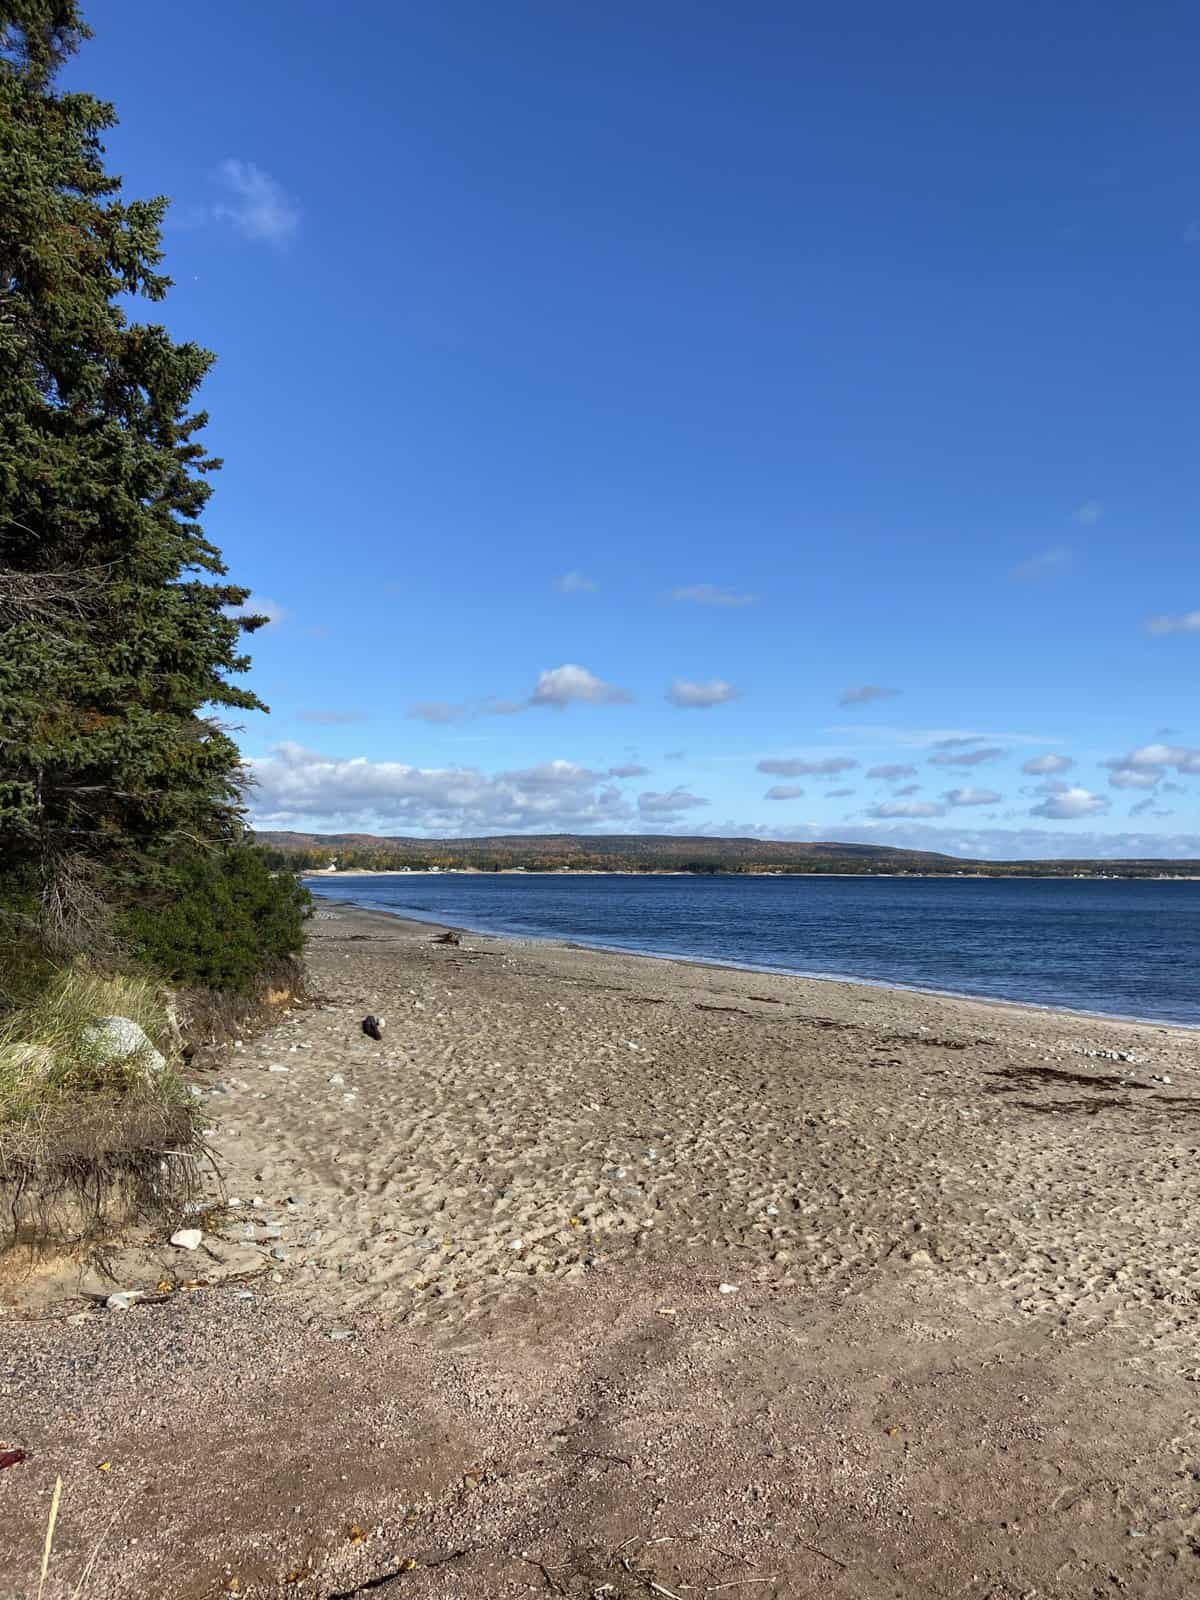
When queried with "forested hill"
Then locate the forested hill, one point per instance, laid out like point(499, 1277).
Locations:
point(632, 852)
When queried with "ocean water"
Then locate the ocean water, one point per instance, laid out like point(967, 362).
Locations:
point(1118, 948)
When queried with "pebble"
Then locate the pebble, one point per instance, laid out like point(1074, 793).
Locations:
point(336, 1080)
point(187, 1238)
point(341, 1333)
point(279, 1254)
point(727, 1288)
point(279, 1069)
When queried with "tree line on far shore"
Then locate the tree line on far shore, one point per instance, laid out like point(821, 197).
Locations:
point(529, 855)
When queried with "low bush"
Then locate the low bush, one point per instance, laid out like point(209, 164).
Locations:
point(221, 922)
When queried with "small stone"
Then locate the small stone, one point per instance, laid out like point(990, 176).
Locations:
point(336, 1080)
point(517, 1244)
point(187, 1238)
point(123, 1299)
point(279, 1069)
point(337, 1334)
point(919, 1258)
point(279, 1254)
point(727, 1288)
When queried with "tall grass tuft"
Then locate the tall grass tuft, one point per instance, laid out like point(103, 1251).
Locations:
point(46, 1058)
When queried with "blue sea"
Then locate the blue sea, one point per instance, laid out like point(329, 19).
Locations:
point(1117, 948)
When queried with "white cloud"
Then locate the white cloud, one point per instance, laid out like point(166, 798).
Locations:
point(631, 769)
point(1135, 777)
point(1069, 802)
point(561, 686)
point(299, 788)
point(668, 805)
point(707, 594)
point(690, 696)
point(1043, 565)
point(784, 791)
point(258, 605)
point(1041, 766)
point(955, 754)
point(575, 583)
point(1188, 622)
point(1144, 767)
point(256, 204)
point(1089, 513)
point(971, 797)
point(907, 808)
point(929, 738)
point(780, 767)
point(1184, 758)
point(331, 719)
point(892, 770)
point(436, 711)
point(864, 693)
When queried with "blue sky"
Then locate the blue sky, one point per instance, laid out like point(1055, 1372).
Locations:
point(757, 395)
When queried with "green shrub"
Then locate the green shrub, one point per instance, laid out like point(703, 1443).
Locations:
point(223, 920)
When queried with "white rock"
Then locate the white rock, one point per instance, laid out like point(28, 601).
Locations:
point(187, 1238)
point(727, 1288)
point(122, 1039)
point(123, 1300)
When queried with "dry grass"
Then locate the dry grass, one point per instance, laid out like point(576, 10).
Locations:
point(79, 1133)
point(46, 1060)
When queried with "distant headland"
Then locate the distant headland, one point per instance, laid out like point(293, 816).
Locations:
point(651, 852)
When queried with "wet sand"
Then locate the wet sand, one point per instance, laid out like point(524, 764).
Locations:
point(602, 1269)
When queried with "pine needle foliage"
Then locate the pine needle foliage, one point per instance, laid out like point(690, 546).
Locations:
point(117, 643)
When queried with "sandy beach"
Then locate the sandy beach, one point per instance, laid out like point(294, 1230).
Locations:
point(604, 1275)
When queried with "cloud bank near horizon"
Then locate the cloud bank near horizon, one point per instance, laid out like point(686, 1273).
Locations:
point(302, 790)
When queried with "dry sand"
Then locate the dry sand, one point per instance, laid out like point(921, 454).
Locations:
point(957, 1355)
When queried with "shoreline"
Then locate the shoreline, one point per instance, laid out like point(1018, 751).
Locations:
point(765, 872)
point(1188, 1029)
point(733, 1276)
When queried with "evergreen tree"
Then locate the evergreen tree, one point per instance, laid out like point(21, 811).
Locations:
point(115, 636)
